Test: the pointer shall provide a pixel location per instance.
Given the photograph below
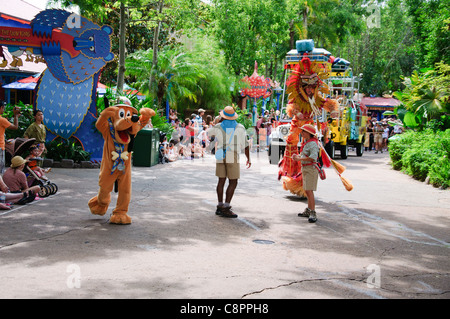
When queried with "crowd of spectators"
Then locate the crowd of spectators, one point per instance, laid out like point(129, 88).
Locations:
point(189, 139)
point(379, 132)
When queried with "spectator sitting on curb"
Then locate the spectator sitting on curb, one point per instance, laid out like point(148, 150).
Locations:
point(16, 180)
point(12, 198)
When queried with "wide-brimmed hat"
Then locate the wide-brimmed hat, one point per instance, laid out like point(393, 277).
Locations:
point(228, 113)
point(123, 100)
point(201, 110)
point(309, 128)
point(16, 161)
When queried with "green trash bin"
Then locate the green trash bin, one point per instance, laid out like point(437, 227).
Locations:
point(155, 147)
point(146, 147)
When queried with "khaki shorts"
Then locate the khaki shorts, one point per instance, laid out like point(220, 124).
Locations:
point(310, 177)
point(378, 138)
point(228, 170)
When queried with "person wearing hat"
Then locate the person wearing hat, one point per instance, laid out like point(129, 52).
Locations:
point(16, 180)
point(231, 139)
point(309, 153)
point(5, 124)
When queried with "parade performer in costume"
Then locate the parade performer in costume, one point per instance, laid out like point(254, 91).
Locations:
point(118, 125)
point(305, 88)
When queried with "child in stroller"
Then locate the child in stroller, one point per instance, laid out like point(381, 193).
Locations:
point(21, 146)
point(33, 162)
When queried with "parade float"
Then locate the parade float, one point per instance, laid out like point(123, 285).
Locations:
point(307, 69)
point(75, 50)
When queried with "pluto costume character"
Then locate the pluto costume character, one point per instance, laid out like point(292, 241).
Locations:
point(118, 125)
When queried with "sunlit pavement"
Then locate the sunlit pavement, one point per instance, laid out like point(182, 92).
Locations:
point(387, 238)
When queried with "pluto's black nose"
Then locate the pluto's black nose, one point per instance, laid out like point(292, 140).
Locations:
point(135, 118)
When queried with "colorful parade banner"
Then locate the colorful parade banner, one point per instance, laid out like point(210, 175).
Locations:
point(75, 50)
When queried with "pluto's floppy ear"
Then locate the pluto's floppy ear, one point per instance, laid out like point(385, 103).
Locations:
point(106, 101)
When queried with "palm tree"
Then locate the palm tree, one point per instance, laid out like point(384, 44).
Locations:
point(174, 77)
point(430, 103)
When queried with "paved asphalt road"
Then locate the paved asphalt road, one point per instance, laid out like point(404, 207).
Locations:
point(388, 238)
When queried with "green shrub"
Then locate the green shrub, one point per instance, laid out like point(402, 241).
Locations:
point(422, 154)
point(440, 172)
point(398, 146)
point(440, 169)
point(61, 148)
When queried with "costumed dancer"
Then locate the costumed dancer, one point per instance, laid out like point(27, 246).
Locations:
point(305, 88)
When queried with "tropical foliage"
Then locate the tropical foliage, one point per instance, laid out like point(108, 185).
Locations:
point(25, 119)
point(423, 154)
point(175, 75)
point(425, 97)
point(61, 148)
point(411, 34)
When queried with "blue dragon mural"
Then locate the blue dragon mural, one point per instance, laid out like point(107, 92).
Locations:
point(75, 50)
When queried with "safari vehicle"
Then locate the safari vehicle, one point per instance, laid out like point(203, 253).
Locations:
point(277, 141)
point(347, 130)
point(350, 127)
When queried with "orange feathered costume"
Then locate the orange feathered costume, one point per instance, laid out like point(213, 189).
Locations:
point(305, 90)
point(118, 125)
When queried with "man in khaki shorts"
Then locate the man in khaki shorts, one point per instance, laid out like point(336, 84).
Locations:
point(231, 139)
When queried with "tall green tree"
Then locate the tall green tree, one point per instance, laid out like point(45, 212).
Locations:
point(431, 26)
point(327, 22)
point(219, 85)
point(175, 76)
point(382, 54)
